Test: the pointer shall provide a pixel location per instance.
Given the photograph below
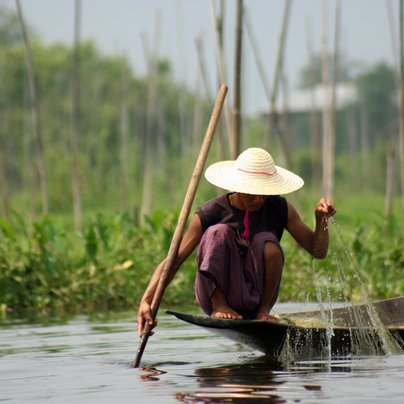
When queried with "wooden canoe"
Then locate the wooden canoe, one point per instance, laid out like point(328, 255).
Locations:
point(365, 329)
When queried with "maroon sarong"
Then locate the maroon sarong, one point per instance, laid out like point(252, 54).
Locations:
point(239, 275)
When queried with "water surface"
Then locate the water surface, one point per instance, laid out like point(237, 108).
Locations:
point(85, 361)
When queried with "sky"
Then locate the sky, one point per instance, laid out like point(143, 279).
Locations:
point(119, 27)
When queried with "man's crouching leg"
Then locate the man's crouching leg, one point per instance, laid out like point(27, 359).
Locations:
point(273, 266)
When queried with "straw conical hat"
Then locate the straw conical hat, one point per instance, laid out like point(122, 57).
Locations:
point(254, 172)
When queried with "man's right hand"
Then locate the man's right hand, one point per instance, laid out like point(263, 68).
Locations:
point(144, 317)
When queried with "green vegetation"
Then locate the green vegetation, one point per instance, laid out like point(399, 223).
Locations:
point(46, 268)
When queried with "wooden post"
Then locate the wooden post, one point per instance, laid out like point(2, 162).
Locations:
point(391, 154)
point(183, 218)
point(261, 70)
point(401, 16)
point(278, 75)
point(333, 101)
point(327, 129)
point(75, 90)
point(221, 67)
point(35, 114)
point(151, 62)
point(237, 82)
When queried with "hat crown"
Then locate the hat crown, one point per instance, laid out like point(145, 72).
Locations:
point(255, 160)
point(254, 172)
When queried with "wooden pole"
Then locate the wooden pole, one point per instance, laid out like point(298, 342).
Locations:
point(221, 67)
point(327, 127)
point(183, 218)
point(278, 74)
point(124, 135)
point(257, 56)
point(388, 200)
point(237, 82)
point(202, 67)
point(4, 188)
point(392, 148)
point(196, 124)
point(75, 89)
point(35, 114)
point(282, 133)
point(152, 64)
point(333, 101)
point(314, 116)
point(402, 104)
point(223, 129)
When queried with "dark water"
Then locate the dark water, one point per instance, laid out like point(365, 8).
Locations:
point(84, 361)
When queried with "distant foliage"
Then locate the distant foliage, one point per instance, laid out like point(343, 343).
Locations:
point(112, 124)
point(114, 119)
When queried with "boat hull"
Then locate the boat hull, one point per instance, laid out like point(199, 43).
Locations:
point(342, 339)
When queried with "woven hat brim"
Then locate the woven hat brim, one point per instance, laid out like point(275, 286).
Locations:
point(225, 175)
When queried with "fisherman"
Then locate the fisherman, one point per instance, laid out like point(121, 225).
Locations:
point(240, 259)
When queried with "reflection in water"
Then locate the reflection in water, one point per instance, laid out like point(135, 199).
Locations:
point(250, 379)
point(261, 379)
point(245, 382)
point(150, 374)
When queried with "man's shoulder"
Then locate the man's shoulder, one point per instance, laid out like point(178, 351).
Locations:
point(219, 201)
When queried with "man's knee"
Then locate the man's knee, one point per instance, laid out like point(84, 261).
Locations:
point(273, 253)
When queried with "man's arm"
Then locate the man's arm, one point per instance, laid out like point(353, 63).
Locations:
point(188, 243)
point(315, 242)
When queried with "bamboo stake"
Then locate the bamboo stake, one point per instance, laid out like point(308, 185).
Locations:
point(151, 60)
point(124, 132)
point(4, 189)
point(4, 157)
point(35, 114)
point(314, 120)
point(393, 33)
point(353, 152)
point(391, 152)
point(184, 122)
point(333, 106)
point(75, 88)
point(283, 130)
point(196, 124)
point(221, 67)
point(327, 130)
point(221, 138)
point(237, 82)
point(283, 141)
point(364, 143)
point(202, 67)
point(388, 201)
point(401, 16)
point(183, 218)
point(257, 56)
point(222, 126)
point(278, 74)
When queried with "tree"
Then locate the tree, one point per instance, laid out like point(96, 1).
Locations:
point(10, 31)
point(311, 75)
point(41, 166)
point(376, 90)
point(99, 140)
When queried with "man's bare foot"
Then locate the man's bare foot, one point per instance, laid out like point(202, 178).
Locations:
point(226, 312)
point(264, 315)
